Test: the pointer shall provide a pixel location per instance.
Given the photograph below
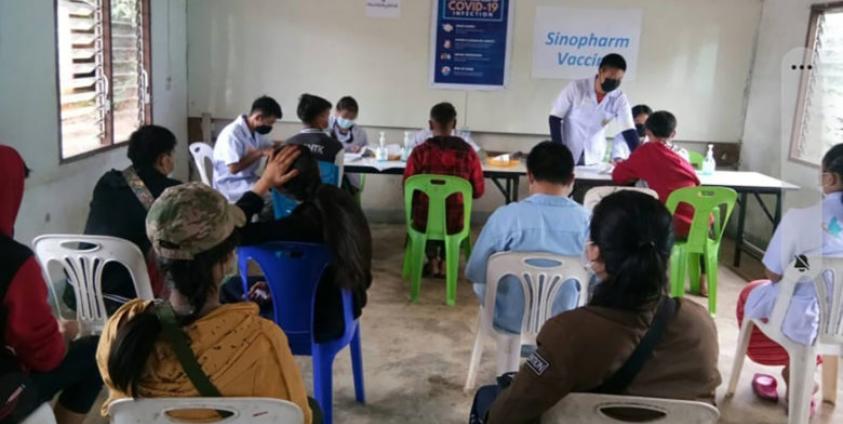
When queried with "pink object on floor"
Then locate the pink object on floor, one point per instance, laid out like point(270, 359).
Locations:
point(765, 387)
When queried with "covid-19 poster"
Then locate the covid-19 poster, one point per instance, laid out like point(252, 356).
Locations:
point(470, 42)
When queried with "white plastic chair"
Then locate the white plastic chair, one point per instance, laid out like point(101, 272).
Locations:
point(42, 415)
point(596, 194)
point(243, 410)
point(826, 274)
point(83, 265)
point(203, 155)
point(587, 408)
point(540, 284)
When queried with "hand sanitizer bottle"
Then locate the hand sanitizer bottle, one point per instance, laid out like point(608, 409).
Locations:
point(709, 164)
point(381, 154)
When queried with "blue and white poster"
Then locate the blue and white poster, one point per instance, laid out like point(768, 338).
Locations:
point(568, 43)
point(470, 42)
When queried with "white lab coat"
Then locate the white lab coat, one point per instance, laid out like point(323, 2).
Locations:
point(232, 144)
point(584, 120)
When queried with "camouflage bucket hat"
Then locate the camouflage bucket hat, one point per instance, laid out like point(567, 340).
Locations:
point(190, 219)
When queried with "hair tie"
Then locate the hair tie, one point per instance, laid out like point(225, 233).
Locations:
point(649, 243)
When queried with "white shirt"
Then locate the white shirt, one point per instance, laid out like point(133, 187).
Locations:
point(817, 230)
point(356, 135)
point(232, 144)
point(585, 121)
point(620, 150)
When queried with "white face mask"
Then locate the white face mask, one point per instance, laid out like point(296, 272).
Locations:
point(344, 123)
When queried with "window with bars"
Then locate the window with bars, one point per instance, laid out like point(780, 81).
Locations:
point(103, 65)
point(819, 114)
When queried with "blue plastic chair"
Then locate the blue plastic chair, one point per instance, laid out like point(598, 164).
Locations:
point(283, 206)
point(293, 272)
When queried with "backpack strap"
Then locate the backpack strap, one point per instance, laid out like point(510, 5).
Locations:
point(138, 187)
point(620, 380)
point(175, 335)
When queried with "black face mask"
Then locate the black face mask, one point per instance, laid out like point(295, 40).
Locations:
point(263, 129)
point(610, 85)
point(641, 130)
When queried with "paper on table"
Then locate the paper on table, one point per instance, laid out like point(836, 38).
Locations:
point(600, 168)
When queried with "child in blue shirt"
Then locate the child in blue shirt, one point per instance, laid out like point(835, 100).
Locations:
point(547, 221)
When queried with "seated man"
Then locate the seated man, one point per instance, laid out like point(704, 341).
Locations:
point(119, 205)
point(443, 154)
point(547, 221)
point(663, 169)
point(241, 145)
point(42, 356)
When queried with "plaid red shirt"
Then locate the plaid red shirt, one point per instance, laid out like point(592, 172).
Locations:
point(444, 156)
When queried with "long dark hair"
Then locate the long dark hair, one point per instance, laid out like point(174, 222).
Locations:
point(344, 226)
point(634, 232)
point(833, 160)
point(136, 338)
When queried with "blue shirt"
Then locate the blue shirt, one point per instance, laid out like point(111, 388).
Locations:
point(539, 223)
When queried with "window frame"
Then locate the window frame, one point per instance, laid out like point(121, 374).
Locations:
point(107, 143)
point(796, 140)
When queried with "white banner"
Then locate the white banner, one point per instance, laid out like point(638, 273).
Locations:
point(383, 8)
point(569, 43)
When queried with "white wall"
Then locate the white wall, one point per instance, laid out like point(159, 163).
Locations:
point(57, 196)
point(771, 107)
point(694, 60)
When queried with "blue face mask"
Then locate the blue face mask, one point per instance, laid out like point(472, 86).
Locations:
point(344, 123)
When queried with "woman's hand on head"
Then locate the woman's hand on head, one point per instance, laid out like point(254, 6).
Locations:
point(278, 170)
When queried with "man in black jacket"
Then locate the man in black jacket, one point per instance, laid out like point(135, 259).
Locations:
point(120, 202)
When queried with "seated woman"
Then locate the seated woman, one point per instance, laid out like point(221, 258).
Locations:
point(327, 215)
point(39, 357)
point(582, 350)
point(193, 232)
point(815, 230)
point(119, 205)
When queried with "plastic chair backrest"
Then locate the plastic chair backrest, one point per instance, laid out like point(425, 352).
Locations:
point(437, 188)
point(283, 206)
point(826, 273)
point(243, 409)
point(83, 259)
point(541, 276)
point(203, 158)
point(42, 415)
point(293, 272)
point(704, 200)
point(587, 408)
point(696, 159)
point(596, 194)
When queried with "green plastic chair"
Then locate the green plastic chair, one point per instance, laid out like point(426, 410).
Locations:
point(696, 159)
point(703, 239)
point(437, 188)
point(358, 197)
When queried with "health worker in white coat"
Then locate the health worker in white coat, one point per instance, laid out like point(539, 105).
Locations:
point(585, 107)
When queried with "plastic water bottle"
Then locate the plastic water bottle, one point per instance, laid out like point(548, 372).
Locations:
point(408, 146)
point(709, 164)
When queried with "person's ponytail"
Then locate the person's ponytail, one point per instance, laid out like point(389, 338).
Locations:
point(131, 349)
point(346, 232)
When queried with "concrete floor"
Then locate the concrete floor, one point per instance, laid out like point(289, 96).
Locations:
point(416, 355)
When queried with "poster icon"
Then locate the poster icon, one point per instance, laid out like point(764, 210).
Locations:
point(446, 70)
